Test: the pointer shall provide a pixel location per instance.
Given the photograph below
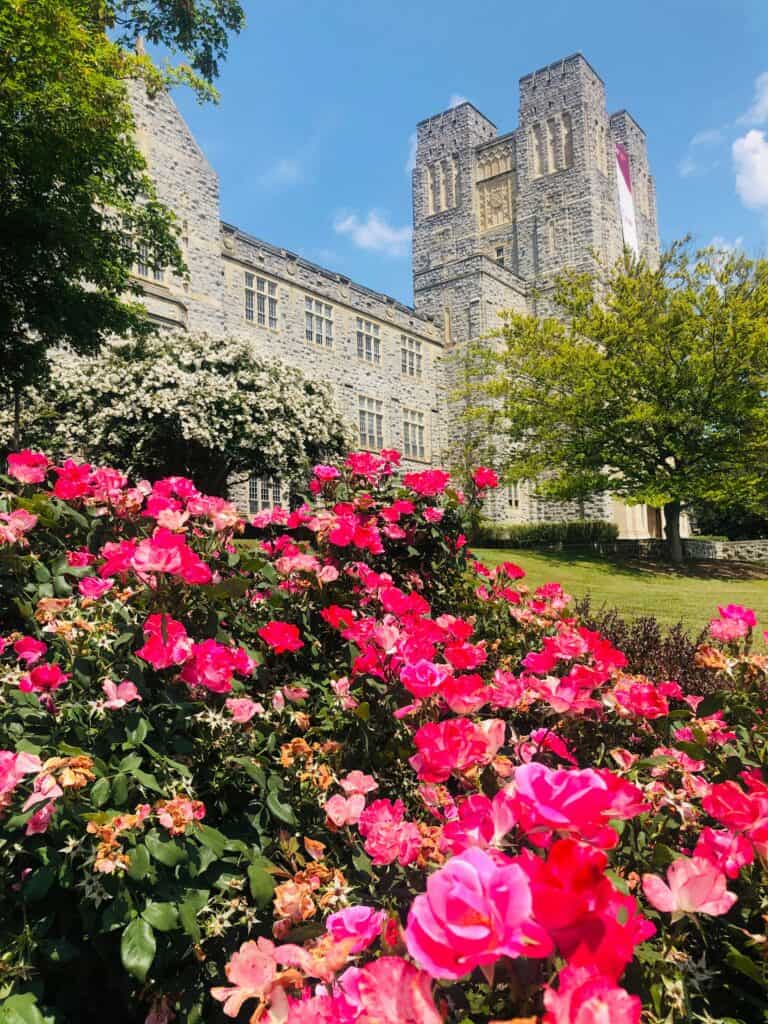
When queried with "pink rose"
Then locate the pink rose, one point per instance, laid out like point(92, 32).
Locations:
point(28, 467)
point(43, 679)
point(572, 802)
point(388, 991)
point(242, 709)
point(342, 811)
point(29, 650)
point(92, 587)
point(361, 923)
point(119, 694)
point(584, 996)
point(428, 483)
point(166, 642)
point(475, 910)
point(358, 782)
point(694, 886)
point(281, 636)
point(388, 837)
point(484, 478)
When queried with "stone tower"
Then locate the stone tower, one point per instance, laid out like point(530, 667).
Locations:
point(497, 217)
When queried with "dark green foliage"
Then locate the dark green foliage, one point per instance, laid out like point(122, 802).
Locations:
point(567, 533)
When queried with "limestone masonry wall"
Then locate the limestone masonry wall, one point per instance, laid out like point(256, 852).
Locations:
point(495, 218)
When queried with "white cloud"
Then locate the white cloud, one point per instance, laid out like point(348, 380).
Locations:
point(456, 100)
point(709, 137)
point(282, 172)
point(758, 112)
point(687, 166)
point(750, 160)
point(374, 233)
point(726, 245)
point(410, 163)
point(694, 162)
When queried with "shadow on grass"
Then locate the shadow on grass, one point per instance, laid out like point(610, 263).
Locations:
point(642, 568)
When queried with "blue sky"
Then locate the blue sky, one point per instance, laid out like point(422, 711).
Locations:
point(312, 137)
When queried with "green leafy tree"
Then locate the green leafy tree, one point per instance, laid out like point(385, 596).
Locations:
point(76, 202)
point(180, 405)
point(649, 384)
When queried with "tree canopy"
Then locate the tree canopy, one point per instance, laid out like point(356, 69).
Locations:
point(649, 384)
point(77, 206)
point(187, 406)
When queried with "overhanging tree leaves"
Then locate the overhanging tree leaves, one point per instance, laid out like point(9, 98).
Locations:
point(650, 385)
point(76, 203)
point(180, 405)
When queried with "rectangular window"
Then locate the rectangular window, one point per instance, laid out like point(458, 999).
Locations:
point(266, 493)
point(410, 356)
point(318, 322)
point(370, 415)
point(514, 495)
point(248, 296)
point(500, 255)
point(413, 434)
point(260, 300)
point(143, 267)
point(368, 341)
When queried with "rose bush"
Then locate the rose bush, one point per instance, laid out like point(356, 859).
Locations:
point(345, 773)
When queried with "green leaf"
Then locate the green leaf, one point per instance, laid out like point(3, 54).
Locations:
point(363, 863)
point(278, 809)
point(744, 965)
point(21, 1009)
point(166, 852)
point(37, 884)
point(139, 865)
point(363, 711)
point(212, 838)
point(262, 884)
point(137, 948)
point(147, 780)
point(120, 789)
point(190, 908)
point(162, 916)
point(139, 732)
point(100, 792)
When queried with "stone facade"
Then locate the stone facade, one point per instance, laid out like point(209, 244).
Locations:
point(495, 218)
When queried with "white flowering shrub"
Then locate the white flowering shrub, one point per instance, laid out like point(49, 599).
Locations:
point(184, 406)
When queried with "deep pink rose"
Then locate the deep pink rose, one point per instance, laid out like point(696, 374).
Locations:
point(484, 477)
point(29, 650)
point(28, 467)
point(361, 923)
point(584, 996)
point(475, 910)
point(573, 802)
point(93, 587)
point(281, 636)
point(43, 679)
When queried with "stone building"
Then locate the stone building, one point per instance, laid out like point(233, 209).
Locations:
point(495, 218)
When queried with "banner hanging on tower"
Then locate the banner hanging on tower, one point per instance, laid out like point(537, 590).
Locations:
point(626, 204)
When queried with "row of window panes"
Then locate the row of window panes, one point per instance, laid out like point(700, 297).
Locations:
point(370, 413)
point(368, 341)
point(261, 300)
point(143, 269)
point(318, 325)
point(413, 434)
point(264, 493)
point(318, 317)
point(410, 355)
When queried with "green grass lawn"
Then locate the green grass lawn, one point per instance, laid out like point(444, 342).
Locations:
point(690, 595)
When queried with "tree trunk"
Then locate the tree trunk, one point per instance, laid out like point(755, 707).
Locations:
point(672, 531)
